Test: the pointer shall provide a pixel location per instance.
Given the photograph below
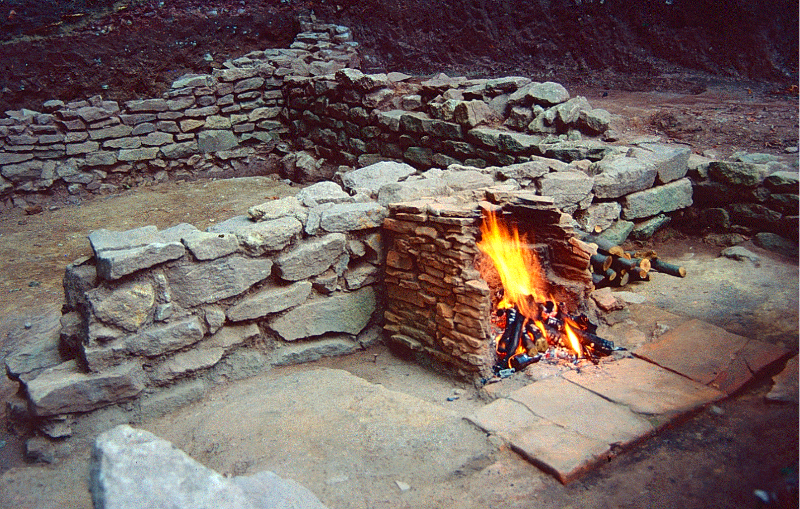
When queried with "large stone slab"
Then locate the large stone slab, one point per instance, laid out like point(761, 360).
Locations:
point(113, 265)
point(210, 246)
point(261, 236)
point(372, 177)
point(311, 257)
point(65, 389)
point(711, 355)
point(671, 161)
point(736, 173)
point(566, 187)
point(647, 389)
point(166, 338)
point(347, 217)
point(185, 363)
point(135, 469)
point(346, 312)
point(650, 202)
point(192, 284)
point(618, 175)
point(127, 306)
point(269, 300)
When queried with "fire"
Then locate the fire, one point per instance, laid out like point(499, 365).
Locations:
point(517, 265)
point(574, 342)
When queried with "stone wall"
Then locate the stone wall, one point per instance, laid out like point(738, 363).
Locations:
point(205, 125)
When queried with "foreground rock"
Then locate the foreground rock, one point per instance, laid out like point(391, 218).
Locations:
point(135, 469)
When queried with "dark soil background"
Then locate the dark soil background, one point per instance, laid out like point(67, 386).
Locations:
point(73, 49)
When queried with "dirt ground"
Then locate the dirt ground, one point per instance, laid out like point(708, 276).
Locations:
point(663, 72)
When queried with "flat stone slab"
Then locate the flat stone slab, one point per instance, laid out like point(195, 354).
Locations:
point(561, 427)
point(711, 355)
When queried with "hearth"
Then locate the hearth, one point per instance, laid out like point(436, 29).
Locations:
point(452, 305)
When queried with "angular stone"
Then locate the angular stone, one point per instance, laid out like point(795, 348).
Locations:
point(39, 354)
point(565, 187)
point(311, 257)
point(248, 84)
point(262, 236)
point(101, 158)
point(65, 389)
point(354, 78)
point(782, 182)
point(618, 176)
point(568, 113)
point(179, 150)
point(138, 154)
point(371, 178)
point(216, 140)
point(323, 192)
point(166, 338)
point(737, 174)
point(776, 243)
point(147, 105)
point(299, 353)
point(210, 246)
point(82, 148)
point(266, 113)
point(194, 284)
point(185, 363)
point(667, 198)
point(741, 254)
point(671, 161)
point(596, 120)
point(133, 469)
point(345, 312)
point(785, 384)
point(113, 264)
point(127, 306)
point(460, 180)
point(347, 217)
point(598, 216)
point(269, 300)
point(288, 206)
point(474, 113)
point(547, 93)
point(117, 131)
point(361, 275)
point(231, 336)
point(618, 232)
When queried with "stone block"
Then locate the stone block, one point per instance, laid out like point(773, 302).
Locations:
point(117, 131)
point(231, 336)
point(667, 198)
point(261, 236)
point(347, 217)
point(736, 173)
point(138, 154)
point(127, 306)
point(147, 105)
point(210, 246)
point(372, 177)
point(618, 232)
point(180, 150)
point(65, 389)
point(463, 179)
point(361, 275)
point(547, 94)
point(598, 216)
point(311, 257)
point(288, 206)
point(113, 264)
point(566, 187)
point(311, 351)
point(185, 363)
point(413, 190)
point(596, 120)
point(344, 312)
point(165, 338)
point(671, 161)
point(645, 229)
point(199, 283)
point(269, 300)
point(617, 176)
point(216, 140)
point(782, 182)
point(321, 193)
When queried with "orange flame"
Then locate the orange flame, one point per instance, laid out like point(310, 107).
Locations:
point(574, 342)
point(515, 262)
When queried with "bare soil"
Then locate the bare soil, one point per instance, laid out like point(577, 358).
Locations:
point(716, 79)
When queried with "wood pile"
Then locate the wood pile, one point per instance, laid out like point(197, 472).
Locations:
point(612, 265)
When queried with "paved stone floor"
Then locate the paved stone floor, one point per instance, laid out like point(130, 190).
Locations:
point(570, 422)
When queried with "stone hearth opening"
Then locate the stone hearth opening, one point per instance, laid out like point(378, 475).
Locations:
point(440, 294)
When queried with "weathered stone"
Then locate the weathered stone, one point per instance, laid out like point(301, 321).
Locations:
point(133, 469)
point(372, 177)
point(165, 338)
point(646, 229)
point(346, 217)
point(156, 139)
point(565, 187)
point(311, 258)
point(459, 180)
point(194, 284)
point(323, 192)
point(775, 243)
point(248, 84)
point(117, 131)
point(354, 78)
point(127, 306)
point(754, 215)
point(474, 113)
point(231, 336)
point(568, 112)
point(667, 198)
point(82, 148)
point(269, 300)
point(412, 190)
point(785, 384)
point(737, 174)
point(741, 254)
point(179, 150)
point(299, 353)
point(618, 176)
point(262, 236)
point(113, 264)
point(288, 206)
point(216, 140)
point(361, 275)
point(782, 182)
point(147, 105)
point(671, 161)
point(210, 246)
point(599, 216)
point(596, 120)
point(569, 151)
point(346, 312)
point(41, 353)
point(101, 158)
point(185, 363)
point(65, 389)
point(486, 136)
point(138, 154)
point(547, 93)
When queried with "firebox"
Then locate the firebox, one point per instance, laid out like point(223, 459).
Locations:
point(455, 300)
